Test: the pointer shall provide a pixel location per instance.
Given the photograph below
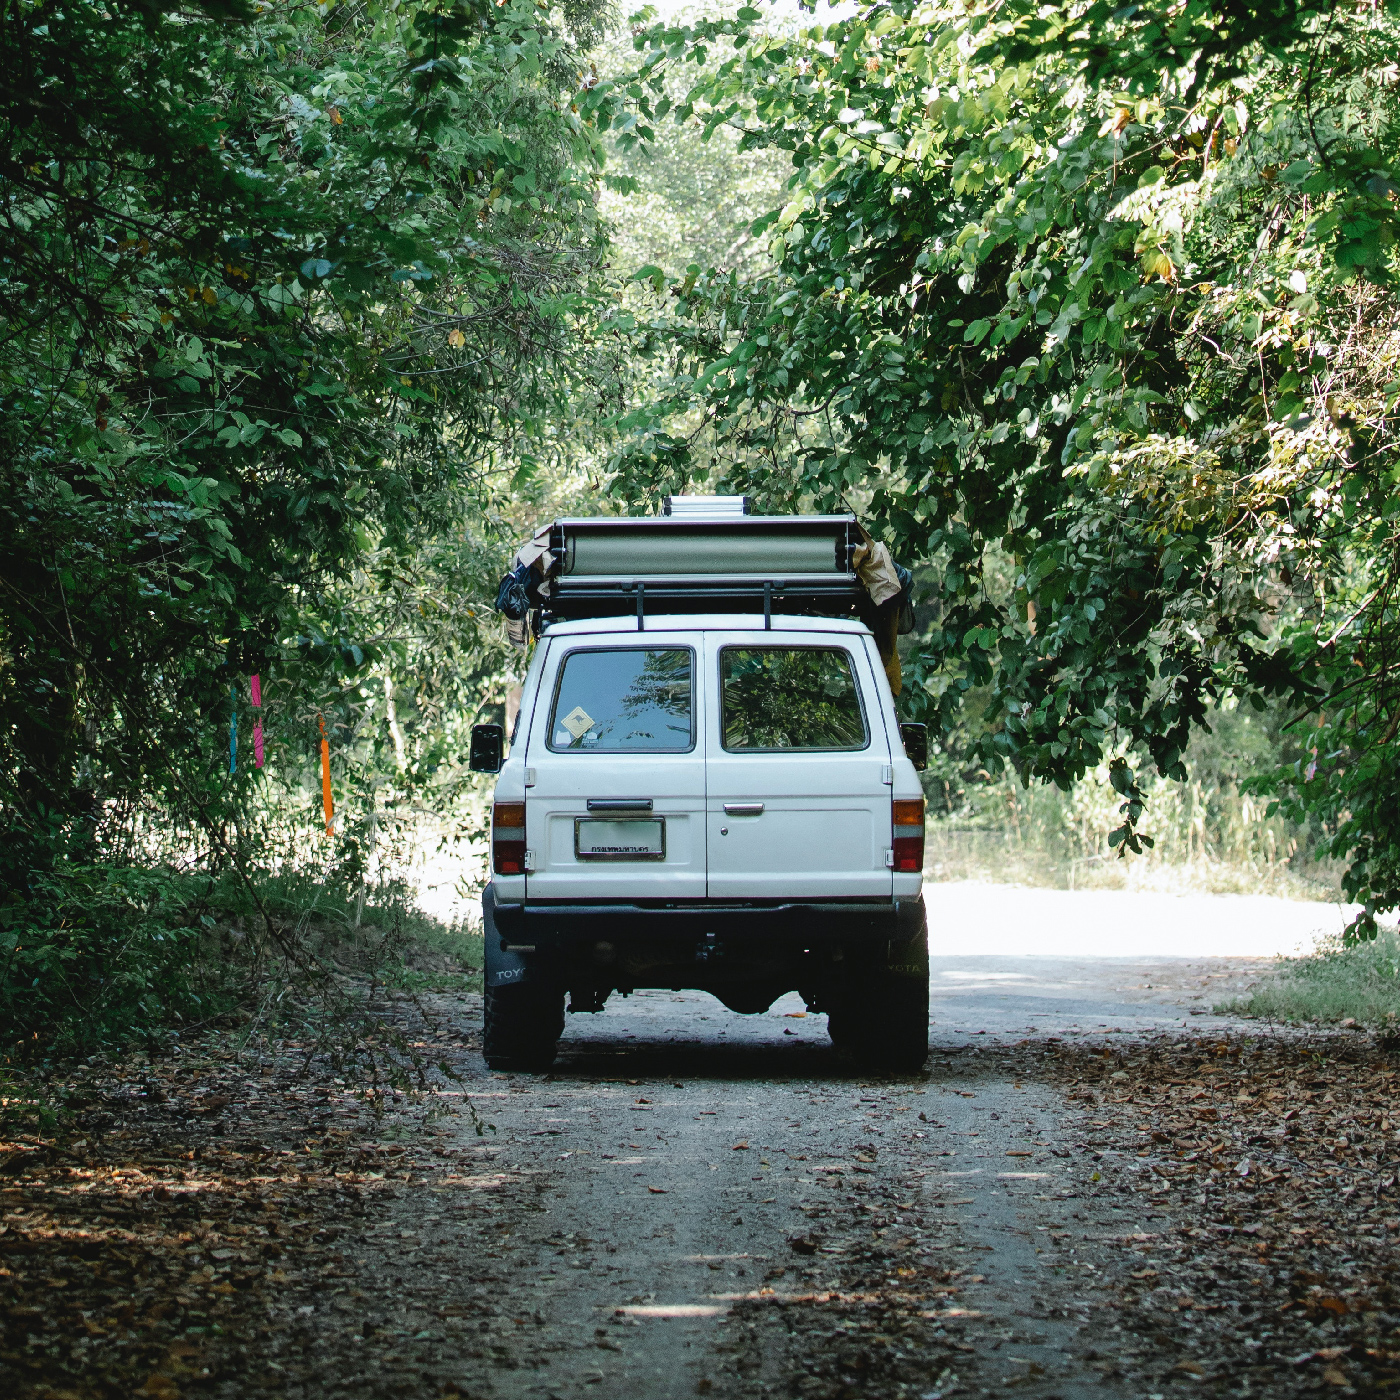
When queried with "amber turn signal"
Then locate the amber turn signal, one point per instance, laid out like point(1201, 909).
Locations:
point(908, 835)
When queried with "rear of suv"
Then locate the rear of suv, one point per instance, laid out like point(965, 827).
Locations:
point(713, 801)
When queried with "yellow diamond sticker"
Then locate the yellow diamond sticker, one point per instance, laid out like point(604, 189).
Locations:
point(578, 721)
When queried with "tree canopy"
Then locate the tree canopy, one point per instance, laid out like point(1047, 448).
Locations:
point(1093, 308)
point(290, 295)
point(281, 288)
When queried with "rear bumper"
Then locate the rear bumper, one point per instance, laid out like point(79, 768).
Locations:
point(760, 919)
point(524, 939)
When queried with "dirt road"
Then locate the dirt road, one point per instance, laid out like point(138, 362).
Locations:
point(1097, 1188)
point(691, 1193)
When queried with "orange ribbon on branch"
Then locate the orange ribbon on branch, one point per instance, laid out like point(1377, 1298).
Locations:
point(326, 799)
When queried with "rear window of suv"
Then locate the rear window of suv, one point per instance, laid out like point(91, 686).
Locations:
point(776, 698)
point(625, 700)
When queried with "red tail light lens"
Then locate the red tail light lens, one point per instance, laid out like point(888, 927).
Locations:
point(508, 838)
point(909, 835)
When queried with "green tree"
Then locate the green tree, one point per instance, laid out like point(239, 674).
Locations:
point(1109, 291)
point(271, 286)
point(289, 295)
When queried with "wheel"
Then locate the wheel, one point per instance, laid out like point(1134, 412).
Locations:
point(881, 1020)
point(900, 1042)
point(882, 1023)
point(522, 1027)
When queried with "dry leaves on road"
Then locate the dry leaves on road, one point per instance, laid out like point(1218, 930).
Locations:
point(1265, 1171)
point(186, 1225)
point(1273, 1162)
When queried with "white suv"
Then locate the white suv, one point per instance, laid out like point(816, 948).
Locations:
point(711, 801)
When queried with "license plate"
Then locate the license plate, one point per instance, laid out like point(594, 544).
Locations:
point(596, 838)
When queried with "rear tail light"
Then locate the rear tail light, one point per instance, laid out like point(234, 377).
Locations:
point(508, 838)
point(909, 835)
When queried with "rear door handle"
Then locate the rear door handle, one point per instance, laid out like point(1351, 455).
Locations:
point(619, 804)
point(743, 809)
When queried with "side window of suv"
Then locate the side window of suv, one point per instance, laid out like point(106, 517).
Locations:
point(625, 700)
point(777, 698)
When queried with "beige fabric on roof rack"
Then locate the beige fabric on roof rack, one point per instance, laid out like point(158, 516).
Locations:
point(874, 566)
point(533, 549)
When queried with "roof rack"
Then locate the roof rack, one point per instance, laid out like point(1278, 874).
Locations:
point(705, 555)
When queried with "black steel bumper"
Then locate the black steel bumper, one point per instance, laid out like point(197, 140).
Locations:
point(524, 936)
point(759, 919)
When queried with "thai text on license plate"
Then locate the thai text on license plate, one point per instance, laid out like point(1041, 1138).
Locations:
point(599, 839)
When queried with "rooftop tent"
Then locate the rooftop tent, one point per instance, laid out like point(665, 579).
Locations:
point(707, 554)
point(711, 559)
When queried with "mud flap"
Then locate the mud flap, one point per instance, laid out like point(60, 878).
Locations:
point(907, 953)
point(880, 1016)
point(503, 968)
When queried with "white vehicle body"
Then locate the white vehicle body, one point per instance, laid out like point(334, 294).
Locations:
point(800, 824)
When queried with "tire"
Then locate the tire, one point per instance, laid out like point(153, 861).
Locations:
point(881, 1021)
point(522, 1027)
point(883, 1024)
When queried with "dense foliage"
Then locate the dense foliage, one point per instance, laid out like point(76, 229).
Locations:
point(289, 294)
point(1094, 309)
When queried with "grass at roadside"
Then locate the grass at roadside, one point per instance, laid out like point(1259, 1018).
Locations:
point(1359, 984)
point(435, 957)
point(107, 955)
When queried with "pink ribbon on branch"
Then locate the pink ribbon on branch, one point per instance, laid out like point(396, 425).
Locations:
point(255, 686)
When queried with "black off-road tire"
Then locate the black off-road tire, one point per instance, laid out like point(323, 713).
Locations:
point(881, 1019)
point(522, 1027)
point(902, 1043)
point(883, 1024)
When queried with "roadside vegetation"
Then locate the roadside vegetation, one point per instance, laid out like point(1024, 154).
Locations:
point(1351, 984)
point(297, 304)
point(1211, 832)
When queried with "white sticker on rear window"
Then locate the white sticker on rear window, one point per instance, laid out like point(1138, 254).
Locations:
point(578, 721)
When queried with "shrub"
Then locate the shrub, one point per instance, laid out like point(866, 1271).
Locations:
point(90, 954)
point(1359, 982)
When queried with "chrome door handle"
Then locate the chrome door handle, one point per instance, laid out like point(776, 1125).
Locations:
point(743, 809)
point(619, 804)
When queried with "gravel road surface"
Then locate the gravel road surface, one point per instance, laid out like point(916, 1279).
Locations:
point(1096, 1187)
point(696, 1202)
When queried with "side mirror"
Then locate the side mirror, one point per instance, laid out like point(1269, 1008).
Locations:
point(488, 748)
point(915, 738)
